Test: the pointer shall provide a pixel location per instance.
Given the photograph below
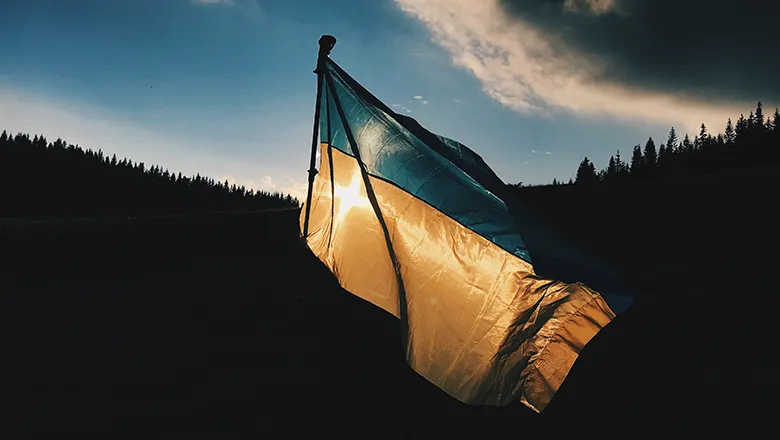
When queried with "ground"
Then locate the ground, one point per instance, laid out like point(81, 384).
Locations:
point(227, 323)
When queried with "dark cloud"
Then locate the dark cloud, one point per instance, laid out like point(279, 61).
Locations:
point(710, 50)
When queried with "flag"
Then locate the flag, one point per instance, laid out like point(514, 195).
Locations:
point(411, 222)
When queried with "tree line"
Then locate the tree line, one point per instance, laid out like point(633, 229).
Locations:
point(751, 141)
point(39, 178)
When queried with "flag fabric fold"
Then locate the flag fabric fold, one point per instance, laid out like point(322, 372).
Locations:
point(410, 221)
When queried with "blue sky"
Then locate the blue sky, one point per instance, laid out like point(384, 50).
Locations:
point(226, 89)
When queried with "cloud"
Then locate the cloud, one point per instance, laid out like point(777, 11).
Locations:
point(456, 100)
point(296, 188)
point(592, 6)
point(418, 97)
point(402, 108)
point(705, 49)
point(213, 2)
point(535, 57)
point(264, 183)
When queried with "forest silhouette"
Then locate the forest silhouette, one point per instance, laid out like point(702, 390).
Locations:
point(57, 179)
point(751, 141)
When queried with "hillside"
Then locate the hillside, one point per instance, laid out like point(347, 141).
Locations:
point(226, 322)
point(154, 301)
point(684, 229)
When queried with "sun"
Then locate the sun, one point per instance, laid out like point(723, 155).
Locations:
point(352, 196)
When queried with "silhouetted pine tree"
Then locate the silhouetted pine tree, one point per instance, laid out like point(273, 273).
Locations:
point(700, 163)
point(669, 162)
point(758, 118)
point(730, 135)
point(704, 137)
point(586, 173)
point(671, 141)
point(622, 167)
point(686, 145)
point(742, 128)
point(651, 159)
point(637, 163)
point(611, 172)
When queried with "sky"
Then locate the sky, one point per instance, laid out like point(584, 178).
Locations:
point(225, 88)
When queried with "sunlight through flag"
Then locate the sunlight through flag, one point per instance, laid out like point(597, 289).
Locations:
point(410, 221)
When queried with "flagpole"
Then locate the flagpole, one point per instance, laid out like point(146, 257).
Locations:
point(326, 45)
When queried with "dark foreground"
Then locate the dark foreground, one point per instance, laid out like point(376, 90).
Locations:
point(226, 323)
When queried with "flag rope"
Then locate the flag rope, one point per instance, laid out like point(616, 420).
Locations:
point(402, 311)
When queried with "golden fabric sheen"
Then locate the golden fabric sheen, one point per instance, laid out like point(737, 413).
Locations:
point(482, 326)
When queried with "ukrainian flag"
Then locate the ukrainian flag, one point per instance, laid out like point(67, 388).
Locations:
point(407, 220)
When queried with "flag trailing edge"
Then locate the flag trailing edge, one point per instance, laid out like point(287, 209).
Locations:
point(405, 219)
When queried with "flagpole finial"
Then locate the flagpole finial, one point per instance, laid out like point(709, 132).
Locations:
point(326, 45)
